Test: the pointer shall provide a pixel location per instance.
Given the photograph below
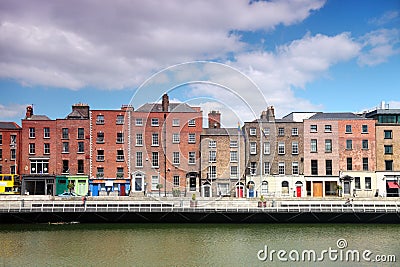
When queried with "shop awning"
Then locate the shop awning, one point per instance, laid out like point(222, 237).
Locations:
point(393, 185)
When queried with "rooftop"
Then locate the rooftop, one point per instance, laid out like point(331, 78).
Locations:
point(173, 107)
point(9, 125)
point(336, 116)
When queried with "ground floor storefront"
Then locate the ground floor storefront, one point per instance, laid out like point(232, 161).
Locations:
point(80, 184)
point(38, 185)
point(109, 187)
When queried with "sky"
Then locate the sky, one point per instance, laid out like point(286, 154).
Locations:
point(237, 57)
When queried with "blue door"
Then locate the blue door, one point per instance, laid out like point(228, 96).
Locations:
point(95, 190)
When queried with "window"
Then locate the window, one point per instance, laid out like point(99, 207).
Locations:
point(139, 139)
point(281, 167)
point(253, 168)
point(154, 122)
point(175, 158)
point(357, 184)
point(13, 152)
point(100, 172)
point(213, 172)
point(365, 164)
point(212, 144)
point(176, 181)
point(314, 167)
point(154, 159)
point(139, 122)
point(100, 119)
point(154, 182)
point(295, 168)
point(364, 128)
point(46, 132)
point(175, 122)
point(295, 148)
point(281, 148)
point(100, 137)
point(13, 138)
point(120, 119)
point(120, 172)
point(176, 138)
point(389, 165)
point(349, 144)
point(313, 146)
point(46, 148)
point(281, 131)
point(154, 139)
point(267, 168)
point(40, 166)
point(233, 156)
point(266, 131)
point(31, 148)
point(65, 168)
point(388, 149)
point(367, 182)
point(267, 148)
point(233, 143)
point(212, 156)
point(31, 132)
point(295, 131)
point(80, 166)
point(100, 155)
point(328, 167)
point(1, 153)
point(139, 159)
point(120, 138)
point(192, 138)
point(253, 131)
point(253, 148)
point(192, 123)
point(120, 155)
point(348, 128)
point(349, 164)
point(328, 128)
point(328, 145)
point(192, 158)
point(388, 134)
point(387, 118)
point(81, 147)
point(313, 128)
point(81, 133)
point(1, 139)
point(234, 172)
point(364, 144)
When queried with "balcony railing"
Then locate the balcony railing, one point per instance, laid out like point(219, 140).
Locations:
point(100, 158)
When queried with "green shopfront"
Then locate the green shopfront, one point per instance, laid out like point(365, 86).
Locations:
point(80, 182)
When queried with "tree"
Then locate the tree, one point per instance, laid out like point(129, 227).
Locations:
point(159, 186)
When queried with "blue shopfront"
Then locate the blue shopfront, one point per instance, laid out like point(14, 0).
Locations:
point(109, 187)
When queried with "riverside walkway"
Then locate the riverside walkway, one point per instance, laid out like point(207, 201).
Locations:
point(130, 210)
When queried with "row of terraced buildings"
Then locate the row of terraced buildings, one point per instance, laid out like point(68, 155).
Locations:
point(162, 149)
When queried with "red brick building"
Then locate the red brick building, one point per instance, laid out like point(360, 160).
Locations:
point(165, 141)
point(109, 151)
point(10, 142)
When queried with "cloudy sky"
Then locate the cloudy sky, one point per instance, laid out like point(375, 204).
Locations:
point(297, 55)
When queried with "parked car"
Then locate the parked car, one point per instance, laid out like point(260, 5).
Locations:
point(68, 194)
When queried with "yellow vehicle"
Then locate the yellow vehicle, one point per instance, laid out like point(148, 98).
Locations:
point(10, 184)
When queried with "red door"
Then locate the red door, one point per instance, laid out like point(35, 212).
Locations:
point(298, 191)
point(239, 191)
point(122, 191)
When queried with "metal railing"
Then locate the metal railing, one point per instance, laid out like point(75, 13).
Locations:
point(21, 206)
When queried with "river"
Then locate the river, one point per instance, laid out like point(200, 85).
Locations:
point(197, 244)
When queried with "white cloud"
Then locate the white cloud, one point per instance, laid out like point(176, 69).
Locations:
point(387, 17)
point(378, 46)
point(12, 111)
point(117, 45)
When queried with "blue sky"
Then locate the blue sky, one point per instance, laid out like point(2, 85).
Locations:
point(303, 55)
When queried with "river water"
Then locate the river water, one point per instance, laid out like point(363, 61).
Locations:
point(196, 244)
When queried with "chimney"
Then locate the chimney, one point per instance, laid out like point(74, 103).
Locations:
point(82, 108)
point(127, 108)
point(29, 112)
point(270, 113)
point(214, 119)
point(165, 103)
point(264, 115)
